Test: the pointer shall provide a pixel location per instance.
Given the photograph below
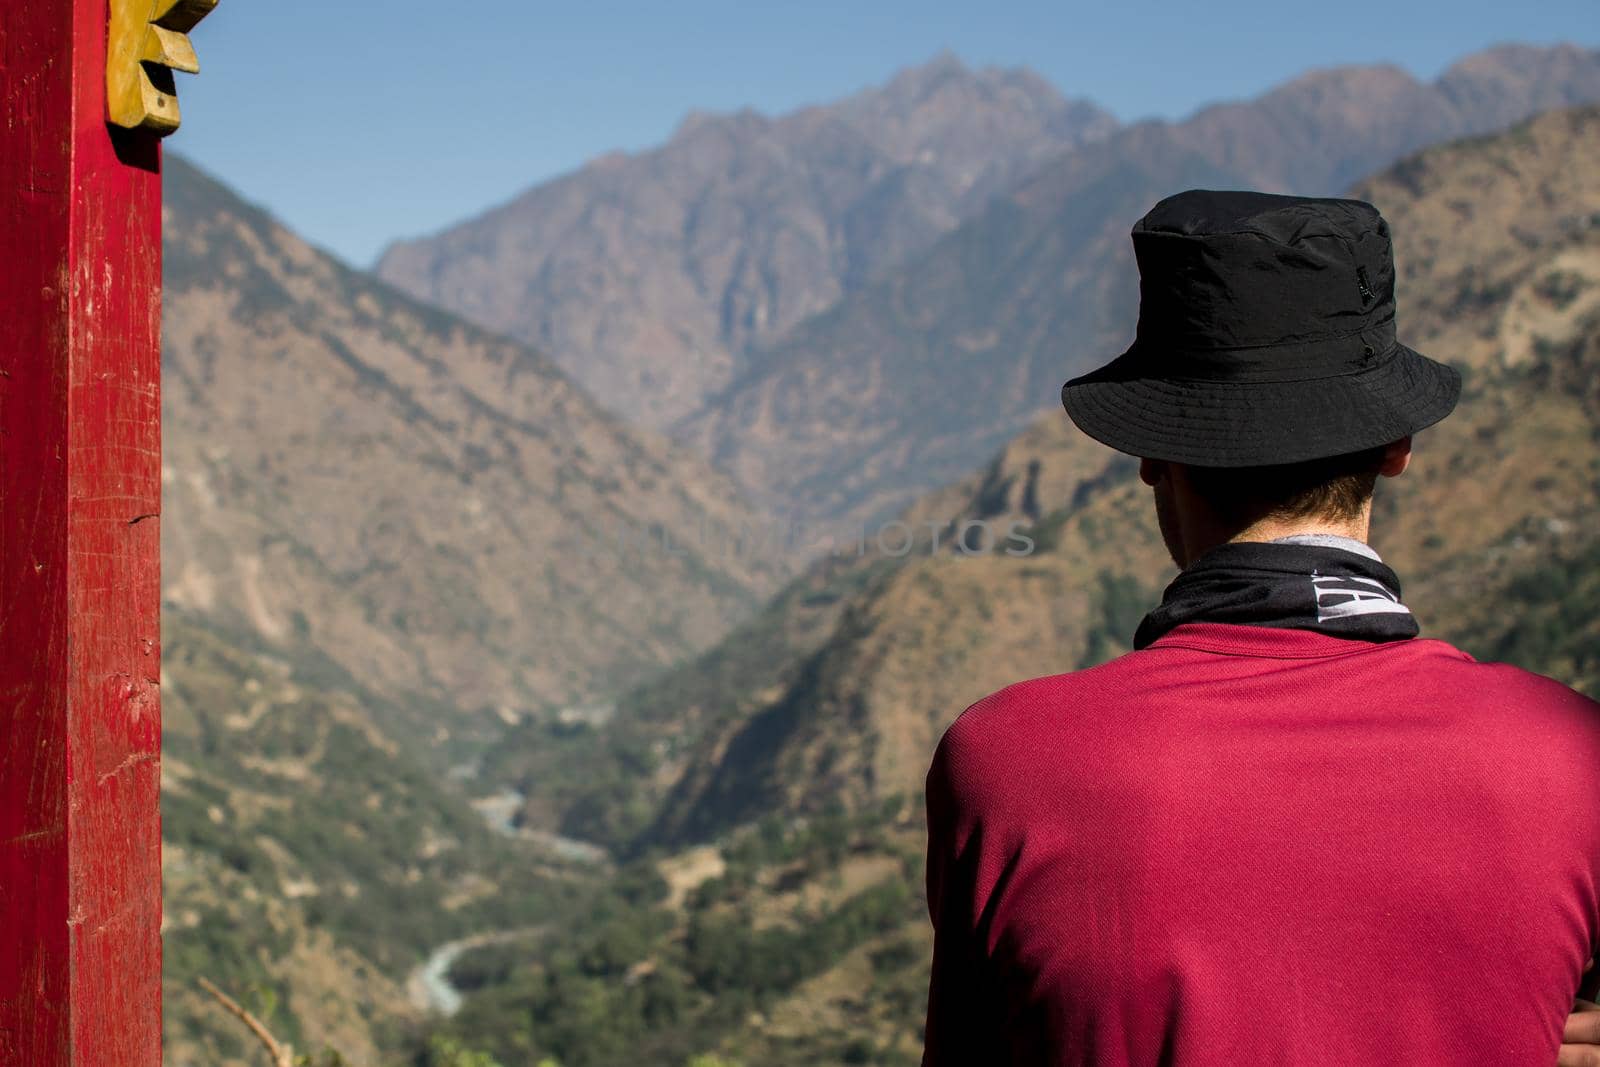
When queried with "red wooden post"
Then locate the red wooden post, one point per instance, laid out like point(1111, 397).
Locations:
point(80, 484)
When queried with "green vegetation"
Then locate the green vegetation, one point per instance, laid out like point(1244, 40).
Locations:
point(1547, 620)
point(1123, 601)
point(293, 824)
point(445, 1051)
point(634, 982)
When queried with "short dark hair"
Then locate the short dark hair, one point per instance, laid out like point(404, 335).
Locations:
point(1337, 487)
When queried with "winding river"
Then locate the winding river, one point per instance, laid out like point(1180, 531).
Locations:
point(428, 986)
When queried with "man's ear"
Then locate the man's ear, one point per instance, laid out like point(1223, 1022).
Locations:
point(1151, 471)
point(1396, 458)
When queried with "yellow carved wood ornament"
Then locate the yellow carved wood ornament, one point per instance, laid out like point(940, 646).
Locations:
point(149, 40)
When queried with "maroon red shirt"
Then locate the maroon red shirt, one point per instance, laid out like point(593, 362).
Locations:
point(1254, 846)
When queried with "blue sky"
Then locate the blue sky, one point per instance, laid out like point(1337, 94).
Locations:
point(358, 122)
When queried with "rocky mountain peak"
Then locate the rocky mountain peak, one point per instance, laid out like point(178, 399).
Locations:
point(651, 279)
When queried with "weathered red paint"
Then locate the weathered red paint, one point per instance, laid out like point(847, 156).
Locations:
point(80, 482)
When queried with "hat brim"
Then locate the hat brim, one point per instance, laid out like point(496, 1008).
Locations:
point(1254, 424)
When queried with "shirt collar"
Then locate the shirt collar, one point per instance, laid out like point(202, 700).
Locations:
point(1270, 642)
point(1329, 540)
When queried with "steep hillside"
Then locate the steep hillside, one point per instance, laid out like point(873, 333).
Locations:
point(385, 530)
point(909, 382)
point(647, 277)
point(310, 859)
point(433, 510)
point(798, 745)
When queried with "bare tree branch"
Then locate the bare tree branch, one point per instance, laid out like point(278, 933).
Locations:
point(281, 1053)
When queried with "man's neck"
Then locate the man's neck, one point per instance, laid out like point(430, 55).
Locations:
point(1357, 529)
point(1198, 543)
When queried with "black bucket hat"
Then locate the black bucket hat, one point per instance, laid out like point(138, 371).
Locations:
point(1266, 335)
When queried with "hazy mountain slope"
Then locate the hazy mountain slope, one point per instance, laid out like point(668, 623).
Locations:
point(1333, 127)
point(916, 378)
point(841, 687)
point(646, 276)
point(436, 510)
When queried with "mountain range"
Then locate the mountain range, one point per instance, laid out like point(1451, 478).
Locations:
point(843, 318)
point(647, 277)
point(910, 382)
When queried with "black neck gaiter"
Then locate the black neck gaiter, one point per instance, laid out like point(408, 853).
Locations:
point(1294, 586)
